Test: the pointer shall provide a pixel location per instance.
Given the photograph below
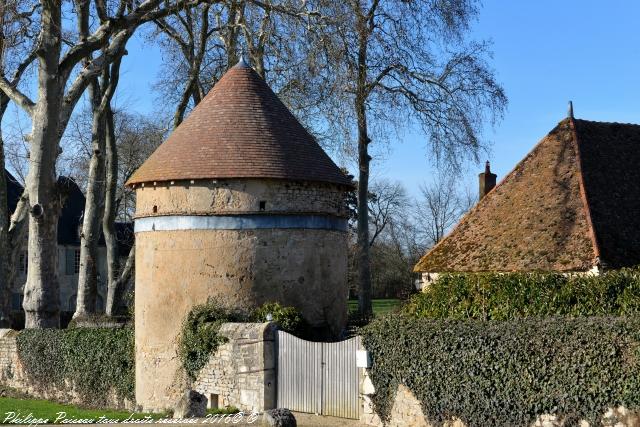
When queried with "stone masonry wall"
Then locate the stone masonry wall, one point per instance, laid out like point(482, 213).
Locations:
point(407, 411)
point(177, 270)
point(242, 372)
point(233, 196)
point(10, 369)
point(12, 375)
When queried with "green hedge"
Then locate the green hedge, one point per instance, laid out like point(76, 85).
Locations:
point(506, 373)
point(514, 295)
point(97, 361)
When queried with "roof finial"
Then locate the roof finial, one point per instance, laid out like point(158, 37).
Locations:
point(570, 110)
point(243, 62)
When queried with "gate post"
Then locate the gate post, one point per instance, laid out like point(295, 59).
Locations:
point(269, 361)
point(242, 372)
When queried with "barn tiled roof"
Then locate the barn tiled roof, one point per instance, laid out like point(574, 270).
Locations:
point(610, 158)
point(240, 130)
point(573, 202)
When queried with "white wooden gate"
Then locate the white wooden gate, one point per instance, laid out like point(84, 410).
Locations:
point(318, 377)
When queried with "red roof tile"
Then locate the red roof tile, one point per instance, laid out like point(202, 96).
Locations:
point(572, 202)
point(240, 130)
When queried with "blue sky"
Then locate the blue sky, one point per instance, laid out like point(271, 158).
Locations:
point(545, 54)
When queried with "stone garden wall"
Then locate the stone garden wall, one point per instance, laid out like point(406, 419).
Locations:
point(407, 411)
point(10, 371)
point(242, 372)
point(12, 374)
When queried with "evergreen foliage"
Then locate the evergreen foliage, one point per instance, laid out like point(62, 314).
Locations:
point(94, 361)
point(493, 296)
point(506, 373)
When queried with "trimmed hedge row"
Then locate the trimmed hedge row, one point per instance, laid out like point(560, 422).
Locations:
point(97, 361)
point(514, 295)
point(506, 373)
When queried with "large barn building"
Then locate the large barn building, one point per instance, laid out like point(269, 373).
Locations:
point(571, 205)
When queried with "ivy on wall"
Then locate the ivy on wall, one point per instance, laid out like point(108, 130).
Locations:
point(513, 295)
point(199, 338)
point(506, 373)
point(95, 361)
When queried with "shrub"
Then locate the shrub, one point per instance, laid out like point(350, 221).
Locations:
point(505, 373)
point(287, 318)
point(513, 295)
point(200, 338)
point(97, 361)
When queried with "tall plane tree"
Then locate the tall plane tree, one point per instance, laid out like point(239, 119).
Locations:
point(66, 65)
point(18, 36)
point(406, 63)
point(101, 90)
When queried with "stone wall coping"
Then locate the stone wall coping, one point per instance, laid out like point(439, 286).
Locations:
point(249, 331)
point(8, 333)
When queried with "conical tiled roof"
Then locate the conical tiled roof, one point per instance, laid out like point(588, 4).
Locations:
point(572, 203)
point(240, 130)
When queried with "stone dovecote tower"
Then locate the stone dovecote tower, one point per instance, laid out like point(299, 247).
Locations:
point(240, 205)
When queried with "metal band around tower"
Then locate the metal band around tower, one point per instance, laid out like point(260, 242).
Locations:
point(239, 222)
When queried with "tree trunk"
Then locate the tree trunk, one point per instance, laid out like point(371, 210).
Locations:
point(258, 62)
point(17, 234)
point(93, 211)
point(364, 260)
point(109, 218)
point(190, 88)
point(113, 302)
point(42, 290)
point(5, 283)
point(231, 42)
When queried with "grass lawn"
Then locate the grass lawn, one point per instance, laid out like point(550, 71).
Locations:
point(380, 306)
point(13, 410)
point(223, 411)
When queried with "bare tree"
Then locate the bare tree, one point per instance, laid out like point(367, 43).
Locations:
point(187, 38)
point(388, 202)
point(396, 244)
point(200, 47)
point(17, 37)
point(440, 207)
point(400, 62)
point(390, 225)
point(137, 142)
point(66, 67)
point(101, 93)
point(129, 140)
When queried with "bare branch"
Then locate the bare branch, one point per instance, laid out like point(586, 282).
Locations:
point(93, 69)
point(11, 91)
point(145, 12)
